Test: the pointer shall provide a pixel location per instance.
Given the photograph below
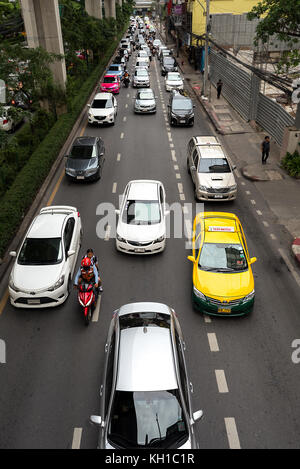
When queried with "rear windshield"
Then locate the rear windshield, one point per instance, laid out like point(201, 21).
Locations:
point(109, 80)
point(144, 320)
point(115, 68)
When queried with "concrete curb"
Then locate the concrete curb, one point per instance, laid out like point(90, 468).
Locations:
point(251, 177)
point(296, 249)
point(15, 243)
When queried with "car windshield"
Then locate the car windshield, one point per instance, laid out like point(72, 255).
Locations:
point(115, 68)
point(81, 152)
point(142, 73)
point(109, 80)
point(168, 61)
point(174, 76)
point(102, 103)
point(141, 212)
point(153, 419)
point(213, 165)
point(141, 64)
point(182, 105)
point(145, 95)
point(222, 257)
point(40, 251)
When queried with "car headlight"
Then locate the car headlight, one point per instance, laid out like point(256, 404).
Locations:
point(249, 297)
point(202, 188)
point(71, 172)
point(12, 286)
point(91, 171)
point(159, 240)
point(57, 284)
point(122, 240)
point(173, 115)
point(233, 188)
point(199, 294)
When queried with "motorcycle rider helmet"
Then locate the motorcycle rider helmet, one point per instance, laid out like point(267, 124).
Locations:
point(86, 264)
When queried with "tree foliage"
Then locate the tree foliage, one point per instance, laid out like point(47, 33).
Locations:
point(279, 19)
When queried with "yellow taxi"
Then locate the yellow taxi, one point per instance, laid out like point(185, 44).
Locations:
point(223, 283)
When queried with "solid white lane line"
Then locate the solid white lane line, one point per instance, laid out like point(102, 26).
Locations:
point(290, 266)
point(266, 224)
point(259, 213)
point(114, 188)
point(221, 381)
point(76, 438)
point(207, 319)
point(96, 314)
point(213, 343)
point(122, 135)
point(273, 236)
point(107, 233)
point(232, 434)
point(118, 156)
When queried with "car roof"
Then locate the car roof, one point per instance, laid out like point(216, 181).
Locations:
point(143, 190)
point(47, 225)
point(226, 223)
point(144, 307)
point(146, 361)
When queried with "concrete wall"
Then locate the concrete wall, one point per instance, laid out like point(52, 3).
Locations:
point(94, 8)
point(110, 8)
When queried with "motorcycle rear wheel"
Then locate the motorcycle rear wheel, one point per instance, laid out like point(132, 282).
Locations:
point(88, 317)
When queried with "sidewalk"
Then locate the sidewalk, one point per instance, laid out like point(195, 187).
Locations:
point(281, 192)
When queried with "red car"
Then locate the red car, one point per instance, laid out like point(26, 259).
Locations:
point(110, 83)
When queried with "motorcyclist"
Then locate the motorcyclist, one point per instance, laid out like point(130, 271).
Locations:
point(88, 273)
point(94, 260)
point(126, 77)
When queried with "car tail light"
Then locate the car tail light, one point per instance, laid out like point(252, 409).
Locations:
point(5, 121)
point(78, 214)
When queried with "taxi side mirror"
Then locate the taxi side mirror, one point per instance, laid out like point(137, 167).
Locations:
point(252, 260)
point(191, 258)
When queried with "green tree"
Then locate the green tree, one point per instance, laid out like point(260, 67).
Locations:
point(279, 19)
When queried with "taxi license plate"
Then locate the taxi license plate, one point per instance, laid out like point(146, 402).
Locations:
point(224, 310)
point(139, 250)
point(80, 177)
point(34, 302)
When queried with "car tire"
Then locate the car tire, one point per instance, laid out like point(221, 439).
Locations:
point(69, 286)
point(195, 195)
point(188, 167)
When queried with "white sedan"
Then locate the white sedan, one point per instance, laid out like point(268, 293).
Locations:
point(42, 273)
point(173, 81)
point(7, 122)
point(103, 109)
point(142, 218)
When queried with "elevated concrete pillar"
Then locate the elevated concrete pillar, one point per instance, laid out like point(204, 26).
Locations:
point(110, 8)
point(43, 29)
point(94, 8)
point(120, 2)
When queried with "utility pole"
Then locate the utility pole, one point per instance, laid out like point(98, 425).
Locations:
point(207, 29)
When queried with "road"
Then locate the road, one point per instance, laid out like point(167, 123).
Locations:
point(242, 372)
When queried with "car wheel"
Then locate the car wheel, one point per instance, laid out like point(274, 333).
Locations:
point(69, 286)
point(196, 197)
point(188, 167)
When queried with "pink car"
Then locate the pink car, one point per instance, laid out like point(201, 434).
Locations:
point(110, 83)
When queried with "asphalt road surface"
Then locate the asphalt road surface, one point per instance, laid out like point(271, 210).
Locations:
point(242, 372)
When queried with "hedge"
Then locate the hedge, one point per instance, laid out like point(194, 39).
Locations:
point(291, 163)
point(21, 194)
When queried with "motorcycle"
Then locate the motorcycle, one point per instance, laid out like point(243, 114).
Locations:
point(87, 299)
point(126, 81)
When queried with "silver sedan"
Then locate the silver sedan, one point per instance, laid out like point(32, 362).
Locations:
point(145, 101)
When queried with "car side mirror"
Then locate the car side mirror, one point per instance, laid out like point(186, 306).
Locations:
point(88, 105)
point(191, 258)
point(96, 420)
point(193, 168)
point(194, 105)
point(233, 167)
point(252, 260)
point(66, 156)
point(117, 212)
point(167, 213)
point(197, 415)
point(71, 253)
point(13, 254)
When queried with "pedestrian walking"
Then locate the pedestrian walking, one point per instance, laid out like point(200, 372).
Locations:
point(219, 88)
point(265, 149)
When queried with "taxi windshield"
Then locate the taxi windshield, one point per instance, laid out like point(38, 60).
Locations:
point(221, 257)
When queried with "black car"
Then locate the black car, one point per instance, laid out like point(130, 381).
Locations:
point(180, 109)
point(168, 64)
point(86, 158)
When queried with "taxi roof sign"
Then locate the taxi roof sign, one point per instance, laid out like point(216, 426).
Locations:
point(227, 229)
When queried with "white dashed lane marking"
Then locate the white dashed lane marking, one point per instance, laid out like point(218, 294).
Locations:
point(221, 381)
point(114, 188)
point(232, 434)
point(76, 438)
point(118, 156)
point(213, 343)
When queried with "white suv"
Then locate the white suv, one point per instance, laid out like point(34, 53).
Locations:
point(42, 273)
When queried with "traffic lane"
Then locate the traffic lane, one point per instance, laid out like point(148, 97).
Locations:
point(259, 244)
